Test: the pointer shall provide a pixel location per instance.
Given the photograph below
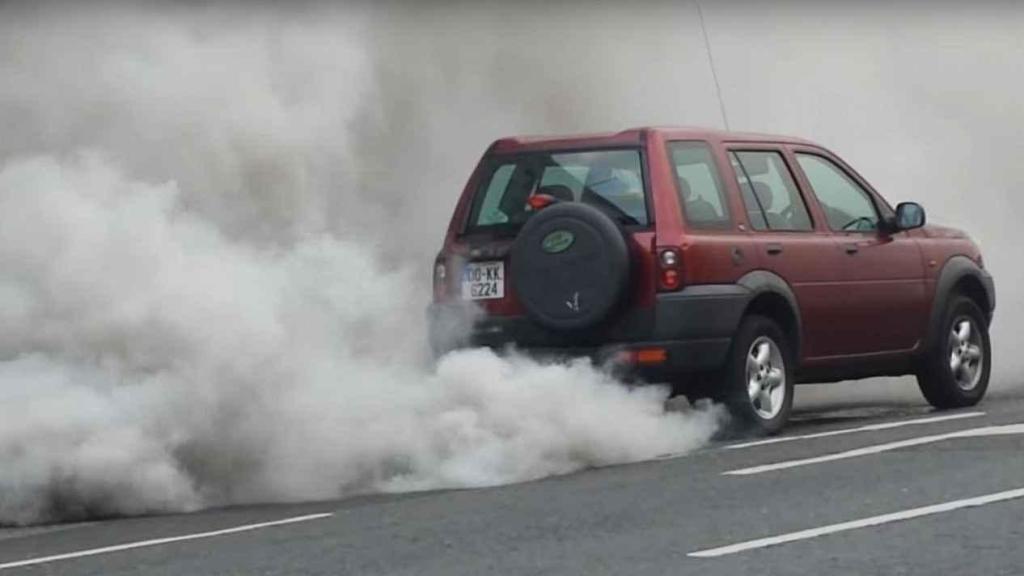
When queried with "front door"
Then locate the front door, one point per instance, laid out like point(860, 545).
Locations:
point(884, 300)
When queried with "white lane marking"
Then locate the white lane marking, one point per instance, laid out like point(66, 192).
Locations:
point(875, 449)
point(867, 428)
point(862, 523)
point(161, 541)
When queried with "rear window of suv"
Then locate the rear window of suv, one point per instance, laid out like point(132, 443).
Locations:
point(611, 180)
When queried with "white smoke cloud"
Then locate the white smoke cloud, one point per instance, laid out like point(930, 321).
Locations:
point(158, 354)
point(154, 364)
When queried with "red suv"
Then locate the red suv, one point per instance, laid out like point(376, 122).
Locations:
point(729, 265)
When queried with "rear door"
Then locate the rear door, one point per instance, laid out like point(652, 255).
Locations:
point(715, 250)
point(790, 242)
point(883, 303)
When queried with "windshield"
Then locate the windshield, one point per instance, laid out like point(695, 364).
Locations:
point(611, 180)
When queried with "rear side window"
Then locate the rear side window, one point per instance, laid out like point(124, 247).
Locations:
point(770, 195)
point(847, 206)
point(699, 186)
point(611, 180)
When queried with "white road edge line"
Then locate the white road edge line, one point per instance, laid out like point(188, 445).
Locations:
point(867, 428)
point(862, 523)
point(877, 448)
point(161, 541)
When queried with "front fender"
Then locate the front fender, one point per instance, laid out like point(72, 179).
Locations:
point(954, 272)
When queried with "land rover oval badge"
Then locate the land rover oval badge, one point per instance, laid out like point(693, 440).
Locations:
point(557, 241)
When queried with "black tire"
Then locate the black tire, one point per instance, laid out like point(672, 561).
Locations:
point(736, 386)
point(942, 385)
point(575, 284)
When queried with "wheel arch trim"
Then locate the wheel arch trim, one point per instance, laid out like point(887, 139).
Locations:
point(761, 283)
point(956, 270)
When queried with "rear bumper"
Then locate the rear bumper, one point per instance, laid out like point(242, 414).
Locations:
point(681, 357)
point(694, 327)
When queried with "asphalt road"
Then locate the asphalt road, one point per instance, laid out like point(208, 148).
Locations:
point(944, 496)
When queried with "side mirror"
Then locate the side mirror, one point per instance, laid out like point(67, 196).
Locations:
point(909, 215)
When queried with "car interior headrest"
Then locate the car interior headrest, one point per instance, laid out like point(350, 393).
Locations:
point(764, 194)
point(684, 188)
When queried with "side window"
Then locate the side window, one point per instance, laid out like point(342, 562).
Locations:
point(847, 206)
point(699, 186)
point(770, 195)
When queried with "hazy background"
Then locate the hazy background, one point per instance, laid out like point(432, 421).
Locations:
point(923, 102)
point(217, 222)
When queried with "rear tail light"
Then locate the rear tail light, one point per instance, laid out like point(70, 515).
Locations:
point(670, 269)
point(440, 280)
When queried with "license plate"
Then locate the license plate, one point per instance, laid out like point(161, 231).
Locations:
point(483, 281)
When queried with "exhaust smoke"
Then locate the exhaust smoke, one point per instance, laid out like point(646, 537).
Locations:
point(200, 304)
point(152, 364)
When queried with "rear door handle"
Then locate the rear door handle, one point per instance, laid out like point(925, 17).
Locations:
point(852, 249)
point(774, 248)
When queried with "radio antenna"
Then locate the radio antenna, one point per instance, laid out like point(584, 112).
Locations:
point(711, 63)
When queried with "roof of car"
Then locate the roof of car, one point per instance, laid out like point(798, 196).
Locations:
point(634, 136)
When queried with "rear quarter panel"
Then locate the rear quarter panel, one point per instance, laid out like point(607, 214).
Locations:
point(714, 256)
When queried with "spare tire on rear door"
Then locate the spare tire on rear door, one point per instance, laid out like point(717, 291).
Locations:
point(570, 266)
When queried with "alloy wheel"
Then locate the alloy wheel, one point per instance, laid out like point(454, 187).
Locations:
point(766, 378)
point(966, 356)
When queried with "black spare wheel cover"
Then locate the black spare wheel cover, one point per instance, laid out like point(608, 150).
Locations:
point(570, 266)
